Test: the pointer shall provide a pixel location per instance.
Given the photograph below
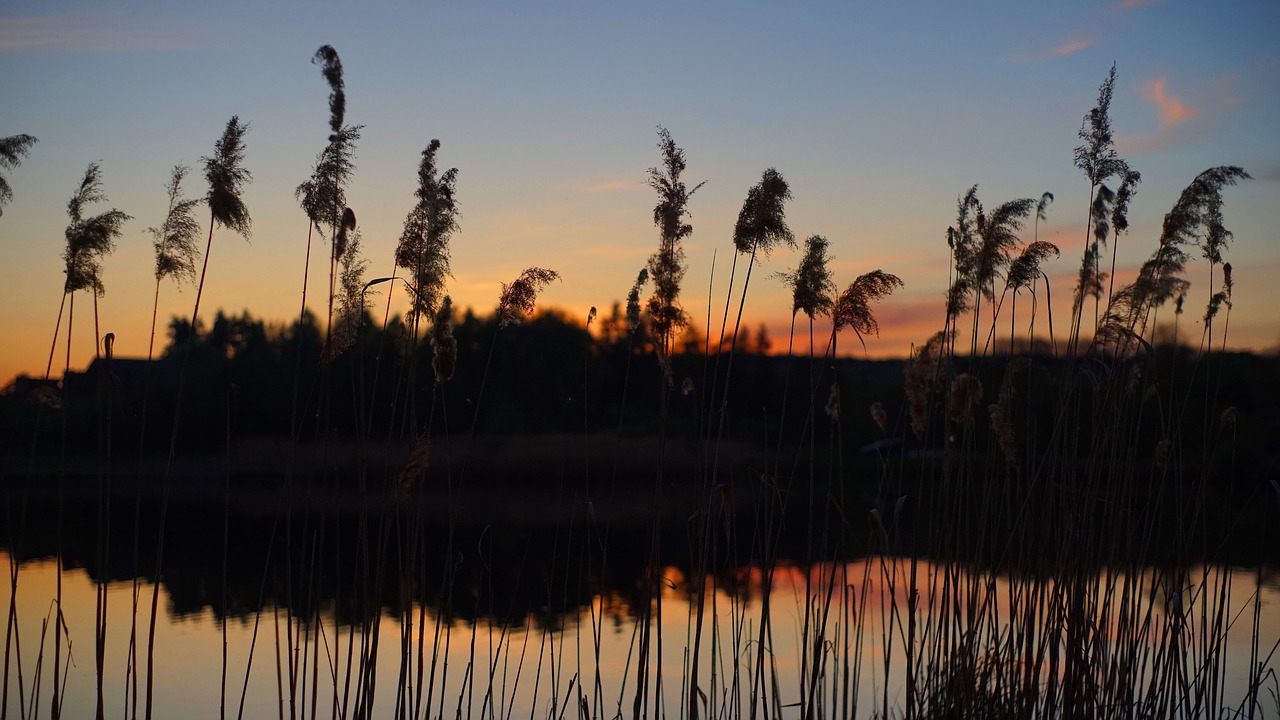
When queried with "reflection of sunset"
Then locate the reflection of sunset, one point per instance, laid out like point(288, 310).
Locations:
point(871, 592)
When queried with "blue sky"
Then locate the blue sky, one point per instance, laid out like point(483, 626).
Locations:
point(879, 115)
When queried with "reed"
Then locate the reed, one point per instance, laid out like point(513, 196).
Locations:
point(12, 151)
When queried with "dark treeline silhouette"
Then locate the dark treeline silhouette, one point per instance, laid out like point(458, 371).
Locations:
point(545, 376)
point(549, 376)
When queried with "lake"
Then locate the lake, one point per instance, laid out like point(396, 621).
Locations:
point(544, 663)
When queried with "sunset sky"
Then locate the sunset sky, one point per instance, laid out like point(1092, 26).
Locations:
point(878, 114)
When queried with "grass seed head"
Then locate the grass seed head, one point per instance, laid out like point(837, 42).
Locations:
point(633, 300)
point(419, 458)
point(922, 372)
point(444, 347)
point(517, 299)
point(966, 391)
point(1162, 455)
point(880, 417)
point(1004, 432)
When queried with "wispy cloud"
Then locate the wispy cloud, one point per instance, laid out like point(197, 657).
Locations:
point(1061, 50)
point(608, 186)
point(1169, 109)
point(1135, 4)
point(1170, 113)
point(84, 33)
point(1073, 47)
point(614, 252)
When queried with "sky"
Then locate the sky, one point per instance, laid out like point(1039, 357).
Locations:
point(879, 115)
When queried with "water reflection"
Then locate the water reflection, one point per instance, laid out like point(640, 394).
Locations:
point(848, 653)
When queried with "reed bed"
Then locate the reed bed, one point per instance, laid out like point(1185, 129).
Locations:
point(1035, 522)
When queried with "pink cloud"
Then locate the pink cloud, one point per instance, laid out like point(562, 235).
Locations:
point(1073, 47)
point(1170, 113)
point(83, 33)
point(1169, 109)
point(608, 186)
point(1070, 47)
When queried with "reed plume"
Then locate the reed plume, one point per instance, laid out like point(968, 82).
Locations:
point(352, 298)
point(633, 300)
point(444, 347)
point(966, 391)
point(1090, 279)
point(1042, 210)
point(175, 240)
point(12, 150)
point(812, 288)
point(415, 468)
point(832, 408)
point(517, 299)
point(423, 249)
point(853, 308)
point(997, 233)
point(89, 239)
point(1120, 218)
point(983, 245)
point(1096, 154)
point(1223, 296)
point(1205, 209)
point(666, 266)
point(1001, 412)
point(964, 250)
point(227, 177)
point(1195, 219)
point(1097, 157)
point(879, 416)
point(331, 67)
point(323, 195)
point(921, 374)
point(1026, 267)
point(762, 221)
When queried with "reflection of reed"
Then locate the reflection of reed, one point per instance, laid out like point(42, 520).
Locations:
point(880, 589)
